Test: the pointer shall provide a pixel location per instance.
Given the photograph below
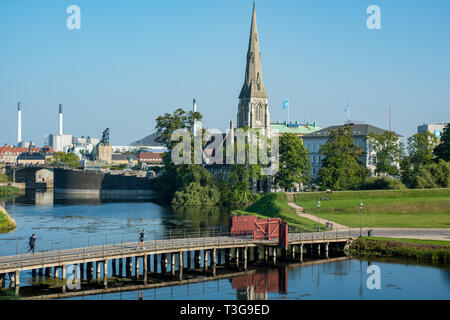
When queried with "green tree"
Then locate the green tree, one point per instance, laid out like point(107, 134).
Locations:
point(168, 123)
point(442, 151)
point(238, 190)
point(407, 173)
point(434, 175)
point(342, 169)
point(294, 162)
point(388, 151)
point(65, 159)
point(420, 148)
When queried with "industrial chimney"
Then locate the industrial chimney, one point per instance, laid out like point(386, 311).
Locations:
point(194, 105)
point(19, 123)
point(60, 120)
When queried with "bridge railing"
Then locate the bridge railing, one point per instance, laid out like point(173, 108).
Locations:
point(21, 246)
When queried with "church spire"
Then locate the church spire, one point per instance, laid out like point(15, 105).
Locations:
point(253, 86)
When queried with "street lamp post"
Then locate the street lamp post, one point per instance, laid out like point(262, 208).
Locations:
point(318, 219)
point(360, 218)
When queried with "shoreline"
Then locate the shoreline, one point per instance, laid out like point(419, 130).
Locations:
point(7, 223)
point(416, 249)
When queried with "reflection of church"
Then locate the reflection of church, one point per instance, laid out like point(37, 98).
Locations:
point(258, 285)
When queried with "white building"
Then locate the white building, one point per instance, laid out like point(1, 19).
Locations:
point(313, 143)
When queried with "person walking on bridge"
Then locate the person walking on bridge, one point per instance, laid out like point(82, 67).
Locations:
point(32, 243)
point(141, 238)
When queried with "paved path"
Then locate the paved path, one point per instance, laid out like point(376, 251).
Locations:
point(408, 233)
point(301, 213)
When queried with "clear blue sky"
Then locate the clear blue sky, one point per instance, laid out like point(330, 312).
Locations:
point(134, 60)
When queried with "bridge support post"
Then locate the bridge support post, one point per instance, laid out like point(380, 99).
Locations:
point(144, 264)
point(172, 264)
point(256, 253)
point(90, 270)
point(266, 254)
point(214, 257)
point(33, 273)
point(236, 256)
point(219, 257)
point(163, 263)
point(81, 270)
point(318, 249)
point(197, 259)
point(114, 267)
point(325, 251)
point(274, 255)
point(300, 256)
point(17, 282)
point(64, 272)
point(136, 266)
point(205, 262)
point(105, 273)
point(2, 280)
point(293, 252)
point(155, 263)
point(57, 272)
point(97, 269)
point(188, 257)
point(120, 267)
point(148, 263)
point(245, 256)
point(180, 264)
point(128, 267)
point(227, 257)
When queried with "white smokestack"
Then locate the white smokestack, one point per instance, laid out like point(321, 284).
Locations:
point(60, 120)
point(19, 123)
point(194, 105)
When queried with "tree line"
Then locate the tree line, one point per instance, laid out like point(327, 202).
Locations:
point(426, 165)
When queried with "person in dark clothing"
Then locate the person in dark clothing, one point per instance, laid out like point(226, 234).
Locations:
point(141, 238)
point(32, 243)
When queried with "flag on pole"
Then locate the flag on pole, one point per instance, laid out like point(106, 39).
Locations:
point(286, 104)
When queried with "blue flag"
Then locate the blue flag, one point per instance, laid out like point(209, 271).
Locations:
point(286, 104)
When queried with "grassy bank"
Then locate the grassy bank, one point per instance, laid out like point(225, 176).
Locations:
point(422, 250)
point(7, 223)
point(428, 208)
point(275, 205)
point(7, 294)
point(5, 190)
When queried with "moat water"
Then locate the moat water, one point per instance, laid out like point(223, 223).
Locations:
point(58, 222)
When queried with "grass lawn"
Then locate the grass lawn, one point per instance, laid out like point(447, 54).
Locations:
point(415, 241)
point(275, 205)
point(428, 208)
point(6, 222)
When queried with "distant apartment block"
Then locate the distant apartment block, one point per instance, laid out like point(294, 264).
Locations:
point(434, 128)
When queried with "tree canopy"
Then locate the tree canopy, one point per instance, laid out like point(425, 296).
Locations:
point(442, 150)
point(388, 151)
point(341, 168)
point(420, 148)
point(294, 162)
point(65, 159)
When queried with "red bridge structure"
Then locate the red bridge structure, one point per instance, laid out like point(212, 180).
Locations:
point(260, 229)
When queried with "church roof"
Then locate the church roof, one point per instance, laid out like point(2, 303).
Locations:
point(253, 85)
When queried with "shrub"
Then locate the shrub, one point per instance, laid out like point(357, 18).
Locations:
point(382, 183)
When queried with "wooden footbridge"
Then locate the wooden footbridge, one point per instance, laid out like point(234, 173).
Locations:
point(201, 252)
